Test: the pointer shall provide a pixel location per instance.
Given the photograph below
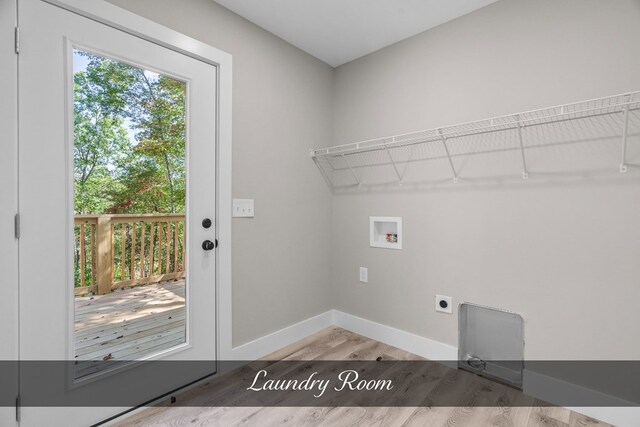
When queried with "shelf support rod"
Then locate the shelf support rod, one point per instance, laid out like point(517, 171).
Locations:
point(525, 172)
point(395, 167)
point(446, 149)
point(359, 184)
point(625, 129)
point(323, 173)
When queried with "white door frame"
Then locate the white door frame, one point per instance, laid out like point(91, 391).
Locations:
point(8, 197)
point(116, 17)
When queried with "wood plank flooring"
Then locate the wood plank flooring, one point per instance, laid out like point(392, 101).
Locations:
point(131, 323)
point(339, 344)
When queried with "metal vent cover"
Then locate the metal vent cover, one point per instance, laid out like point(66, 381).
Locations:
point(491, 343)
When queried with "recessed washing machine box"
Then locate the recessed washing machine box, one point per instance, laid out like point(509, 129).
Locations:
point(385, 232)
point(491, 343)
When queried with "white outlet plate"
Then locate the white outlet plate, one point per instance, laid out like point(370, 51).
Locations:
point(243, 208)
point(364, 274)
point(449, 308)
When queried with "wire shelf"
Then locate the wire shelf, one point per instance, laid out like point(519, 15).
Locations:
point(613, 119)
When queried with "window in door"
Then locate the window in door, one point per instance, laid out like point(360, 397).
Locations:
point(129, 203)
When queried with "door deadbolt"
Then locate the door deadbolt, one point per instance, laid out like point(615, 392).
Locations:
point(206, 223)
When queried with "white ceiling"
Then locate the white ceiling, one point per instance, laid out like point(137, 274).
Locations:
point(339, 31)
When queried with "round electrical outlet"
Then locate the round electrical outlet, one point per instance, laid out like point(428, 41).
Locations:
point(444, 304)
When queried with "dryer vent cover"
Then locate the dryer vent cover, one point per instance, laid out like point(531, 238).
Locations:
point(491, 343)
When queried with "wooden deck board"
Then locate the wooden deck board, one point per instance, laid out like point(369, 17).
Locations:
point(131, 323)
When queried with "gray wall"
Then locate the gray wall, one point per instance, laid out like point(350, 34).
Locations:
point(281, 108)
point(562, 248)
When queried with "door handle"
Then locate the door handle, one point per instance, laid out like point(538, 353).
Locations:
point(208, 245)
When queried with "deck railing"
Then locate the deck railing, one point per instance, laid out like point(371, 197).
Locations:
point(120, 251)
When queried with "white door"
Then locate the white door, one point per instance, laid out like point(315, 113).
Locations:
point(113, 266)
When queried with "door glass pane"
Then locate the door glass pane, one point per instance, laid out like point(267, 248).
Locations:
point(130, 204)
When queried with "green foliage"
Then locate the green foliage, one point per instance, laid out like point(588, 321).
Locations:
point(114, 174)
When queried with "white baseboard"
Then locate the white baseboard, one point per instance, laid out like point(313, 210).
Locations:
point(620, 416)
point(618, 412)
point(534, 384)
point(262, 346)
point(407, 341)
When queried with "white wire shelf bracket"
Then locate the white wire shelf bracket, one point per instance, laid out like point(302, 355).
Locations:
point(609, 117)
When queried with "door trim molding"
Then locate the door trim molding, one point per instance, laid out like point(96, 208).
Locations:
point(9, 291)
point(123, 20)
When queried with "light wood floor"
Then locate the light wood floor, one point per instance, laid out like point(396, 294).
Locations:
point(131, 323)
point(339, 344)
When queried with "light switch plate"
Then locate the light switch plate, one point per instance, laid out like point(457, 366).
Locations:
point(243, 208)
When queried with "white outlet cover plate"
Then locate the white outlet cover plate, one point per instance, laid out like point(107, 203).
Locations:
point(449, 300)
point(243, 208)
point(364, 274)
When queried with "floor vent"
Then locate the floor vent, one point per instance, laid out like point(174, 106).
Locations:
point(491, 343)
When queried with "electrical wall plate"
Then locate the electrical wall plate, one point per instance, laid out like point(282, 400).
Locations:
point(444, 304)
point(364, 274)
point(243, 208)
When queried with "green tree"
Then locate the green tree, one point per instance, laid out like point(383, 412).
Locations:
point(159, 117)
point(113, 173)
point(129, 144)
point(99, 139)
